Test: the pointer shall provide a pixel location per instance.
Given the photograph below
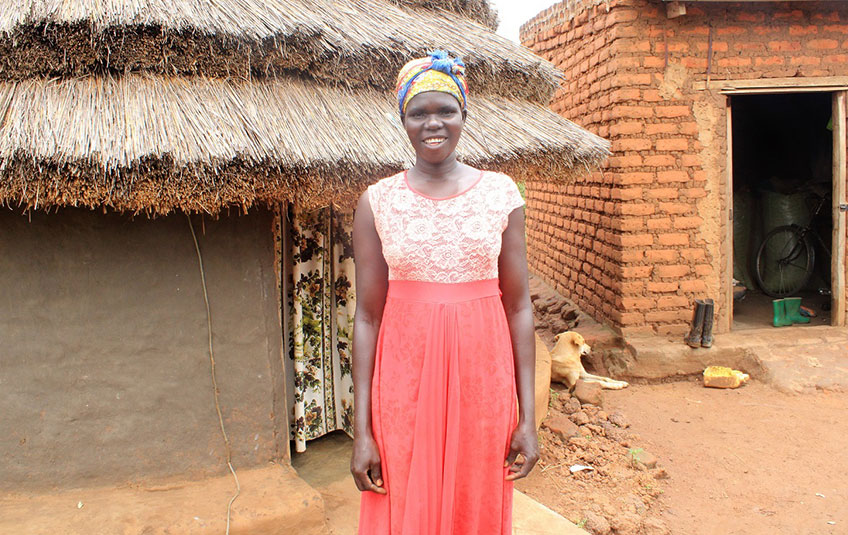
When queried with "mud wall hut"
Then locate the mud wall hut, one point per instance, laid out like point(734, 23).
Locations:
point(176, 181)
point(718, 112)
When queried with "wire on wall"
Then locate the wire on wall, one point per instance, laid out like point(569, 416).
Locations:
point(214, 379)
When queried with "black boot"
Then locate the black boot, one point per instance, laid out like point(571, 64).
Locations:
point(693, 339)
point(707, 332)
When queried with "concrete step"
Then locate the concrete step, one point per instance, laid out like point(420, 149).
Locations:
point(792, 359)
point(530, 517)
point(273, 501)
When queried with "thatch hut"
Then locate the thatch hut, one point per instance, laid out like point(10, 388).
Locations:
point(175, 180)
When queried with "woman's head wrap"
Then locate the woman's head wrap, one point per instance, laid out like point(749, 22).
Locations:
point(438, 72)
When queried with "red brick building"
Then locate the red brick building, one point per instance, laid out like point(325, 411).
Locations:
point(669, 83)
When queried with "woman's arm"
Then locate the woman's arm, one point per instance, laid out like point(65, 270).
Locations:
point(372, 276)
point(512, 268)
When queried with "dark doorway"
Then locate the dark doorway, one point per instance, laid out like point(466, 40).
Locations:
point(782, 173)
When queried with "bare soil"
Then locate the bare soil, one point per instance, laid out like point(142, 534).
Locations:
point(620, 493)
point(750, 461)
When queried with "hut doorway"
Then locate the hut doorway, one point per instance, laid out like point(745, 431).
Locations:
point(784, 203)
point(318, 299)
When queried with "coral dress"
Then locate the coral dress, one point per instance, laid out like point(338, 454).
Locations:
point(443, 391)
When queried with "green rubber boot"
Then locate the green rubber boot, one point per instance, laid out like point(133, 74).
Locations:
point(780, 319)
point(793, 310)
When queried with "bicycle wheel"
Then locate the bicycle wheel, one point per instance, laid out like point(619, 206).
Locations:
point(785, 261)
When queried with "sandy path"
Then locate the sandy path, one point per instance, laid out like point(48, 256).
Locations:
point(748, 461)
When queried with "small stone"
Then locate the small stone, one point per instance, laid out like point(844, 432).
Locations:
point(638, 505)
point(618, 419)
point(571, 406)
point(591, 410)
point(644, 458)
point(558, 326)
point(580, 418)
point(655, 526)
point(661, 474)
point(613, 432)
point(625, 522)
point(534, 295)
point(595, 429)
point(556, 307)
point(589, 393)
point(561, 426)
point(568, 314)
point(556, 403)
point(540, 305)
point(603, 416)
point(596, 524)
point(579, 442)
point(562, 391)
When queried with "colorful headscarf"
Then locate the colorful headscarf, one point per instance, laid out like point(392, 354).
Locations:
point(438, 72)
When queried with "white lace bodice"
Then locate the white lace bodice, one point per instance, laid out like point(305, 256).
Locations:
point(453, 239)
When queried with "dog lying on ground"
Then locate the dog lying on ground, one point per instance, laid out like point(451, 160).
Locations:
point(566, 366)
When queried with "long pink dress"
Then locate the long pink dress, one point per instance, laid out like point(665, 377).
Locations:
point(443, 392)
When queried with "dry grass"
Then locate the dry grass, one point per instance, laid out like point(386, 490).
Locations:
point(478, 10)
point(355, 42)
point(154, 144)
point(200, 105)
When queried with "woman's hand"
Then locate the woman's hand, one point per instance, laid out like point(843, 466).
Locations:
point(512, 269)
point(365, 465)
point(372, 282)
point(524, 443)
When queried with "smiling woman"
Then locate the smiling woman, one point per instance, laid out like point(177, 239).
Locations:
point(443, 332)
point(434, 123)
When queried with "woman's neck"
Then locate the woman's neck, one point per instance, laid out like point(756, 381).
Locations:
point(447, 169)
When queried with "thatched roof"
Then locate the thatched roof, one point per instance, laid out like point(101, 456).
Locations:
point(128, 103)
point(477, 10)
point(142, 141)
point(354, 42)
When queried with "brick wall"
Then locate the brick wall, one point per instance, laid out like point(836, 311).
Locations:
point(572, 242)
point(636, 243)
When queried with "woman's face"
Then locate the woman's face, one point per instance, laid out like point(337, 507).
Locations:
point(434, 122)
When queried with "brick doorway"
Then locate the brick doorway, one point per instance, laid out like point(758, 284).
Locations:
point(785, 174)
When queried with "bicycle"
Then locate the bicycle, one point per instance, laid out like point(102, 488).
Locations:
point(786, 258)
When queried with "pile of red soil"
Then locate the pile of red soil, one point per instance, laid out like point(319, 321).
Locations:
point(619, 495)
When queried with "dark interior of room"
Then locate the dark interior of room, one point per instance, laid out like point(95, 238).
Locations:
point(782, 167)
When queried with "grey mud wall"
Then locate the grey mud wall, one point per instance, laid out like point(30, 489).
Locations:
point(104, 360)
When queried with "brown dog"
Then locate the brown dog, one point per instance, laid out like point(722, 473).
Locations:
point(566, 366)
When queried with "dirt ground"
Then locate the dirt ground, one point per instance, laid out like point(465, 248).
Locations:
point(619, 494)
point(750, 461)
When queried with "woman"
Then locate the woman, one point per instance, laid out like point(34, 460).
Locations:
point(439, 354)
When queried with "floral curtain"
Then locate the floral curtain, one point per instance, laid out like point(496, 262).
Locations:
point(320, 323)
